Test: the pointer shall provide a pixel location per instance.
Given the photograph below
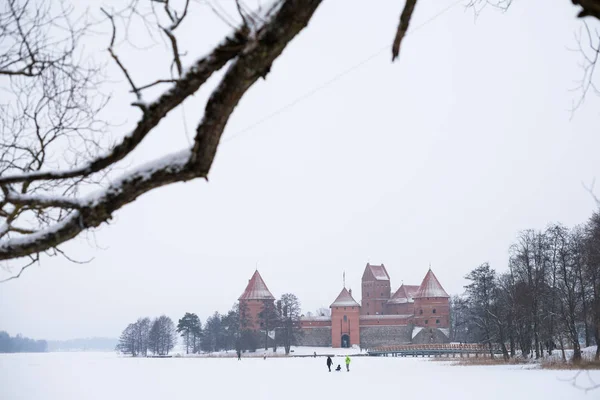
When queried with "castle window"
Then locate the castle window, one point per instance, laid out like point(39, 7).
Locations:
point(367, 294)
point(382, 294)
point(437, 321)
point(434, 310)
point(368, 313)
point(426, 322)
point(344, 308)
point(420, 312)
point(345, 318)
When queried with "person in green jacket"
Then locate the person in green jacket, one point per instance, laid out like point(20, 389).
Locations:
point(348, 363)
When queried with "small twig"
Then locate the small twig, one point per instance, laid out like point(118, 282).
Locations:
point(34, 259)
point(156, 83)
point(62, 253)
point(116, 58)
point(239, 8)
point(176, 58)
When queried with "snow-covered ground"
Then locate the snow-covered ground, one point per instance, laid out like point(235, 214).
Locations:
point(102, 376)
point(295, 351)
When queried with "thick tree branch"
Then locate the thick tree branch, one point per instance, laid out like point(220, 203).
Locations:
point(588, 8)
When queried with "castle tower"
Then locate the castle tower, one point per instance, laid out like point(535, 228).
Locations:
point(253, 301)
point(345, 319)
point(432, 304)
point(376, 290)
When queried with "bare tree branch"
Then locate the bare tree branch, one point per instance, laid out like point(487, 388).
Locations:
point(409, 8)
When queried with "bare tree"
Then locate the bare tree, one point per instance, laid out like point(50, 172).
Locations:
point(290, 321)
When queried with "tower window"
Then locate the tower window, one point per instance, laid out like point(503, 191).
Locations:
point(426, 322)
point(345, 318)
point(437, 321)
point(420, 312)
point(434, 310)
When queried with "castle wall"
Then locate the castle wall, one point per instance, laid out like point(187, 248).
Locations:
point(432, 312)
point(316, 336)
point(384, 335)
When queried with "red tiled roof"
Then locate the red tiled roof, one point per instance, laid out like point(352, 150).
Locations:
point(256, 289)
point(404, 294)
point(344, 299)
point(430, 287)
point(379, 272)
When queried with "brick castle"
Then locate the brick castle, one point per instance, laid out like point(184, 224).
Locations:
point(412, 314)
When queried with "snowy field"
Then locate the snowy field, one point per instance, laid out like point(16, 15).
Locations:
point(105, 376)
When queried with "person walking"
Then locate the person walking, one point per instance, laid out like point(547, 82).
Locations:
point(239, 354)
point(348, 363)
point(329, 363)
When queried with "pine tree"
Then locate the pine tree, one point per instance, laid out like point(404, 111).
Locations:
point(189, 328)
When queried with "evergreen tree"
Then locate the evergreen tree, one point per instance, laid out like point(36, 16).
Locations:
point(189, 328)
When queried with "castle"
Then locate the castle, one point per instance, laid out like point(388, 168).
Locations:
point(412, 314)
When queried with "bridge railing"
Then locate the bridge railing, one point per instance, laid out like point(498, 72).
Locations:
point(440, 347)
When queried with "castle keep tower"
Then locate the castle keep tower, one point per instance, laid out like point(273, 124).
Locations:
point(253, 301)
point(345, 320)
point(432, 304)
point(376, 290)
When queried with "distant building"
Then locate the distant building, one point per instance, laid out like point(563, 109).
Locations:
point(412, 314)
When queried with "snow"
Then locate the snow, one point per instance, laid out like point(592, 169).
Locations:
point(416, 331)
point(101, 376)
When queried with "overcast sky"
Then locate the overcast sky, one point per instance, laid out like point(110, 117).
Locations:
point(441, 158)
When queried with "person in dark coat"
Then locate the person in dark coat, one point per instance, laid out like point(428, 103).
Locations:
point(239, 354)
point(329, 363)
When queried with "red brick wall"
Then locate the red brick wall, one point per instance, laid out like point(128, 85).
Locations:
point(375, 295)
point(400, 309)
point(430, 310)
point(314, 324)
point(349, 326)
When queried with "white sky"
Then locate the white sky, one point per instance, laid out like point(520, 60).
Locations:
point(441, 158)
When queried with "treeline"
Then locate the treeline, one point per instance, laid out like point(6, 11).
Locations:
point(548, 299)
point(20, 344)
point(157, 336)
point(278, 323)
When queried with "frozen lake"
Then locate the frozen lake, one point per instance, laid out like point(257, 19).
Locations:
point(105, 376)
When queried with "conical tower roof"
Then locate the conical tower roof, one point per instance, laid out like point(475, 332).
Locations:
point(256, 289)
point(430, 287)
point(344, 299)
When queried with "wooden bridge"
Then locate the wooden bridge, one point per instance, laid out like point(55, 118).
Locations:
point(435, 350)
